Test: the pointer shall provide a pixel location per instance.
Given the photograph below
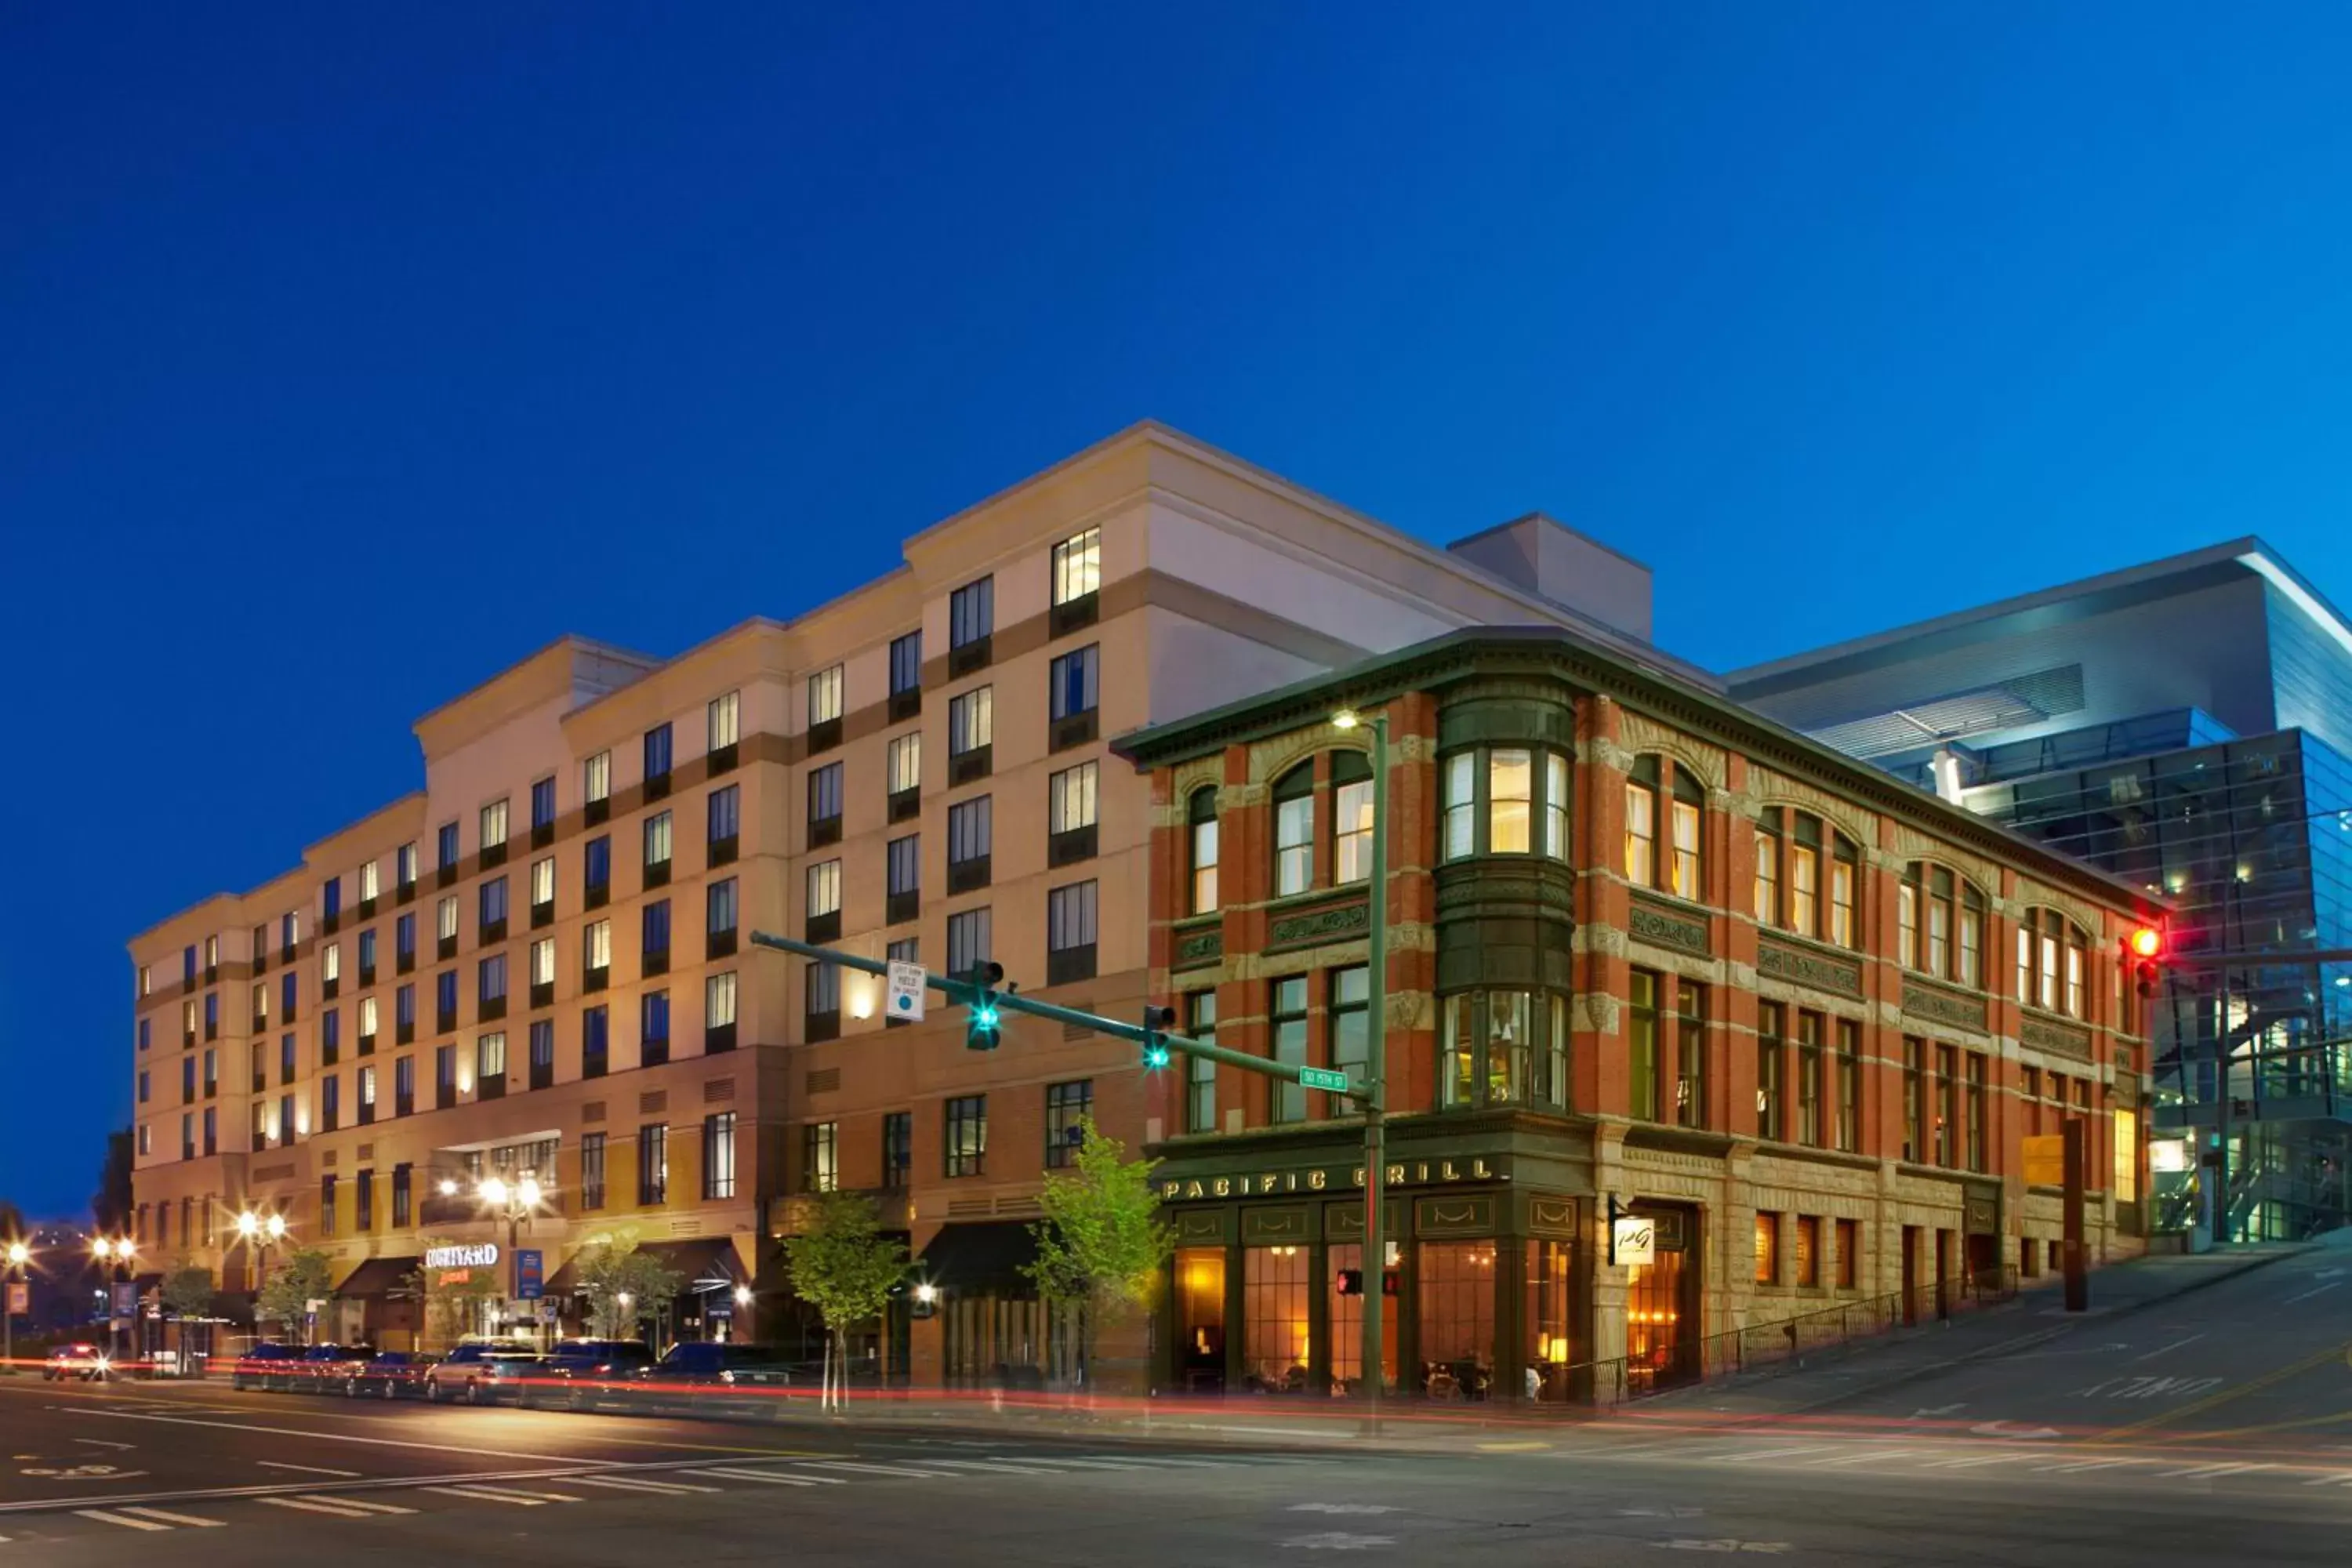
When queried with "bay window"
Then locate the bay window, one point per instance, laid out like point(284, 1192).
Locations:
point(1504, 800)
point(1504, 1048)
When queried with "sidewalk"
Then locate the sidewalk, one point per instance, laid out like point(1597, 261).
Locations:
point(1822, 1378)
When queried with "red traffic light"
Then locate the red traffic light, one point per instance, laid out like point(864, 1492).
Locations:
point(2146, 942)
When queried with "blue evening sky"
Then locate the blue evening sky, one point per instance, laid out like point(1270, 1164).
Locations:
point(348, 353)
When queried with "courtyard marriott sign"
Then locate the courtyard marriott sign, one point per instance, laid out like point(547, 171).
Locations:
point(483, 1257)
point(1331, 1178)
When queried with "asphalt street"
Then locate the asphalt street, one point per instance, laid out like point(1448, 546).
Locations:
point(2214, 1428)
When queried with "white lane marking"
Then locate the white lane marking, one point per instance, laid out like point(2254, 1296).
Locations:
point(334, 1509)
point(627, 1484)
point(2164, 1350)
point(1866, 1456)
point(772, 1479)
point(2211, 1470)
point(2079, 1467)
point(876, 1470)
point(124, 1520)
point(308, 1469)
point(1970, 1464)
point(102, 1443)
point(1089, 1464)
point(2307, 1295)
point(510, 1494)
point(362, 1504)
point(1772, 1454)
point(2336, 1478)
point(999, 1467)
point(168, 1517)
point(1339, 1541)
point(337, 1438)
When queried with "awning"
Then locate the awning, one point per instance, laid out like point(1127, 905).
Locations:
point(709, 1262)
point(147, 1282)
point(378, 1277)
point(984, 1258)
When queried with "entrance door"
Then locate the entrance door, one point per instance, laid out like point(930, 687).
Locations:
point(1201, 1319)
point(1910, 1273)
point(1943, 1273)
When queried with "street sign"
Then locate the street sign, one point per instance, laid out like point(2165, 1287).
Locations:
point(126, 1298)
point(907, 988)
point(20, 1298)
point(2045, 1160)
point(1323, 1078)
point(530, 1274)
point(1636, 1239)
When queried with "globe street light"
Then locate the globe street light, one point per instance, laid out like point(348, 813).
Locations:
point(15, 1254)
point(518, 1200)
point(118, 1251)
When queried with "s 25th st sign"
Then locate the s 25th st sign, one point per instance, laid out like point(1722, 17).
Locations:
point(481, 1256)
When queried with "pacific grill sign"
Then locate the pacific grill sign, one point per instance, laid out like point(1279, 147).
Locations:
point(1329, 1178)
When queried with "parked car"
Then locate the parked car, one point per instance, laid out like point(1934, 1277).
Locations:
point(266, 1365)
point(704, 1364)
point(485, 1371)
point(389, 1374)
point(577, 1371)
point(323, 1367)
point(86, 1362)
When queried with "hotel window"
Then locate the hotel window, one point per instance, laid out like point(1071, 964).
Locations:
point(972, 614)
point(967, 1134)
point(658, 848)
point(718, 1156)
point(906, 665)
point(542, 886)
point(542, 809)
point(824, 880)
point(1767, 1248)
point(898, 1149)
point(824, 697)
point(260, 1003)
point(1067, 1107)
point(1663, 799)
point(403, 868)
point(286, 992)
point(1809, 1252)
point(821, 1157)
point(1074, 682)
point(968, 940)
point(971, 721)
point(1070, 934)
point(1809, 1079)
point(592, 1170)
point(596, 868)
point(1490, 803)
point(1286, 1099)
point(542, 963)
point(718, 1013)
point(370, 885)
point(653, 1166)
point(543, 1053)
point(723, 717)
point(1200, 814)
point(971, 839)
point(445, 1000)
point(330, 963)
point(403, 943)
point(448, 851)
point(652, 927)
point(657, 758)
point(367, 956)
point(824, 803)
point(403, 1087)
point(902, 870)
point(368, 1018)
point(1503, 1049)
point(1352, 818)
point(1200, 1073)
point(596, 949)
point(1939, 923)
point(1849, 1085)
point(445, 920)
point(718, 918)
point(1642, 1046)
point(2052, 955)
point(1849, 1254)
point(491, 1065)
point(1070, 804)
point(821, 1001)
point(904, 763)
point(1077, 566)
point(493, 912)
point(596, 784)
point(595, 1041)
point(1790, 848)
point(494, 832)
point(1293, 830)
point(724, 821)
point(1690, 1054)
point(331, 908)
point(1771, 1055)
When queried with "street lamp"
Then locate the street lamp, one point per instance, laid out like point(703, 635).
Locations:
point(1376, 1067)
point(518, 1200)
point(259, 1234)
point(15, 1254)
point(119, 1252)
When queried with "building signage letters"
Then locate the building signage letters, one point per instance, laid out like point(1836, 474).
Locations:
point(1329, 1178)
point(483, 1257)
point(1636, 1240)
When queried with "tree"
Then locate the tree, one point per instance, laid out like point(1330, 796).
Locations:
point(305, 1277)
point(1102, 1244)
point(622, 1283)
point(187, 1289)
point(449, 1301)
point(843, 1267)
point(111, 1204)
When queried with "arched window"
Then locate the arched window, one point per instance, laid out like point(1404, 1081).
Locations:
point(1352, 818)
point(1504, 800)
point(1940, 924)
point(1200, 848)
point(2053, 956)
point(1663, 801)
point(1790, 849)
point(1293, 830)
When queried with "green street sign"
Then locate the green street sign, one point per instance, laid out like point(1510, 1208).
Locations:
point(1323, 1078)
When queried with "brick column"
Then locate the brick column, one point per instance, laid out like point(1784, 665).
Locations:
point(1597, 1065)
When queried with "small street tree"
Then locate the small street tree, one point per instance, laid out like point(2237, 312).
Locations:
point(1102, 1244)
point(622, 1283)
point(187, 1289)
point(844, 1267)
point(305, 1277)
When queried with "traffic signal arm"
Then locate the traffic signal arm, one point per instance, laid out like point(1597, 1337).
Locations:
point(962, 992)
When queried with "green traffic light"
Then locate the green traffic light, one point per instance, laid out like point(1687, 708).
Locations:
point(1155, 1056)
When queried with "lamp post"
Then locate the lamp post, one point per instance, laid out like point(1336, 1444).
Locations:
point(115, 1256)
point(17, 1253)
point(1376, 1062)
point(518, 1201)
point(259, 1233)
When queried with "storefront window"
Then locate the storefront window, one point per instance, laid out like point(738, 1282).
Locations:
point(1201, 1318)
point(1656, 1352)
point(1550, 1353)
point(1274, 1314)
point(1457, 1318)
point(1642, 1047)
point(1346, 1310)
point(1505, 1047)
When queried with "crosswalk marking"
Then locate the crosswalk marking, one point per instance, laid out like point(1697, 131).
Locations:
point(875, 1469)
point(515, 1495)
point(361, 1504)
point(124, 1520)
point(632, 1484)
point(187, 1519)
point(774, 1480)
point(336, 1508)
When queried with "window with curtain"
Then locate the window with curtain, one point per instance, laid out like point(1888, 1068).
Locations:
point(1503, 1047)
point(1352, 818)
point(1807, 876)
point(2053, 955)
point(1293, 830)
point(1200, 816)
point(1662, 805)
point(1504, 800)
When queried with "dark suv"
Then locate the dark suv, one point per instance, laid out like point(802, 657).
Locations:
point(266, 1365)
point(577, 1371)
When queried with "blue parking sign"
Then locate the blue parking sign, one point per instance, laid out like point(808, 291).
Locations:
point(530, 1279)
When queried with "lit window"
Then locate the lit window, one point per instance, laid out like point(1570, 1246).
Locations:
point(824, 889)
point(724, 714)
point(596, 777)
point(657, 838)
point(494, 824)
point(905, 762)
point(1293, 830)
point(1510, 791)
point(599, 944)
point(1202, 821)
point(825, 696)
point(1070, 803)
point(1352, 818)
point(972, 721)
point(542, 962)
point(446, 917)
point(543, 880)
point(1077, 566)
point(368, 889)
point(719, 1000)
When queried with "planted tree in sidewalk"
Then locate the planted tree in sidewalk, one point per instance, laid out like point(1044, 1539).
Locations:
point(187, 1289)
point(286, 1296)
point(1102, 1244)
point(844, 1267)
point(622, 1283)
